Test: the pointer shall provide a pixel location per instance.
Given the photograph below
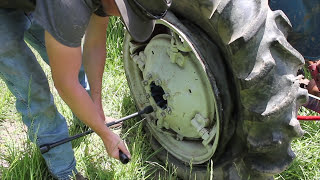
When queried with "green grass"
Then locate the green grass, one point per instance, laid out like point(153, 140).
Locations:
point(307, 149)
point(20, 159)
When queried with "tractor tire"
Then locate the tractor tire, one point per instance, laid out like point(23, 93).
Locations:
point(222, 79)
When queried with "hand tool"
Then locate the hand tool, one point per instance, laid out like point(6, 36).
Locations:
point(123, 158)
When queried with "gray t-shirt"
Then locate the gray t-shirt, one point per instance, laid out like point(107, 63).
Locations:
point(65, 20)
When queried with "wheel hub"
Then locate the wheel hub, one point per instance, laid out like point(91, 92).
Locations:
point(169, 75)
point(178, 90)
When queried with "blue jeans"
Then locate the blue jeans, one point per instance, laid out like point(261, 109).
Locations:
point(26, 80)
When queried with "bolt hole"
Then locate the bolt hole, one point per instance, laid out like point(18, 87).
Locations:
point(152, 52)
point(190, 91)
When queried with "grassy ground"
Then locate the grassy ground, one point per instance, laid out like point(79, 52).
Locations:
point(20, 159)
point(307, 149)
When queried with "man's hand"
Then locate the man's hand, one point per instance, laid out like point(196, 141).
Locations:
point(310, 85)
point(313, 88)
point(113, 144)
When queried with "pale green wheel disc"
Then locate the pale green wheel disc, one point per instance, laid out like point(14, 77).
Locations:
point(167, 72)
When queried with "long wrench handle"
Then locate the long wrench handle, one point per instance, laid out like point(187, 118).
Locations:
point(46, 147)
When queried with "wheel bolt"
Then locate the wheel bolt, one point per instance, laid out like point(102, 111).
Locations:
point(169, 111)
point(158, 82)
point(166, 96)
point(149, 76)
point(163, 114)
point(145, 83)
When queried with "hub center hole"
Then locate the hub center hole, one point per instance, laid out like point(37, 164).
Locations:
point(157, 94)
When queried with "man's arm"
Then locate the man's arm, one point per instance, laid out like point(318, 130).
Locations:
point(65, 63)
point(94, 56)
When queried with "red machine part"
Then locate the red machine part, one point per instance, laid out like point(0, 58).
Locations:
point(308, 118)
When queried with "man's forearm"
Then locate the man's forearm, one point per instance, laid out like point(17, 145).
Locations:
point(94, 55)
point(82, 105)
point(65, 63)
point(94, 62)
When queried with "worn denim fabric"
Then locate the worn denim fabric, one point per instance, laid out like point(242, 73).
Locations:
point(26, 80)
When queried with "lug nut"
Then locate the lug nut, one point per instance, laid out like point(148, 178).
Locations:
point(166, 96)
point(163, 114)
point(145, 83)
point(149, 76)
point(147, 96)
point(158, 82)
point(169, 111)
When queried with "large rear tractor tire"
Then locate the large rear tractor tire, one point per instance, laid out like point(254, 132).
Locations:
point(222, 79)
